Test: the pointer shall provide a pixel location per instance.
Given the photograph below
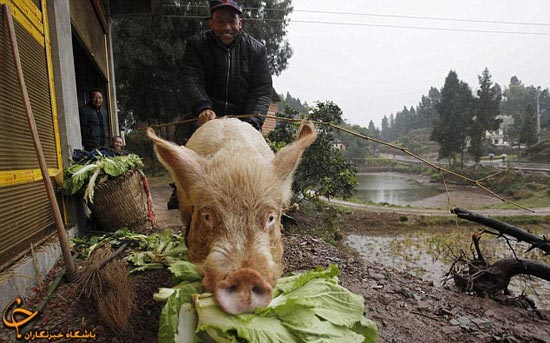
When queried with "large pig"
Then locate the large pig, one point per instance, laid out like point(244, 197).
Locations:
point(231, 191)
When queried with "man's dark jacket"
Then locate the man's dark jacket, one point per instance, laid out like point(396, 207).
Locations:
point(92, 126)
point(230, 80)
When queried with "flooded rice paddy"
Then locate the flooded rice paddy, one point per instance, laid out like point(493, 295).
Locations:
point(428, 254)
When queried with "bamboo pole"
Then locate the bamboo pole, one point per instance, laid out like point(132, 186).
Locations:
point(61, 233)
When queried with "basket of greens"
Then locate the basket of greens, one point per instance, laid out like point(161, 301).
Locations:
point(112, 188)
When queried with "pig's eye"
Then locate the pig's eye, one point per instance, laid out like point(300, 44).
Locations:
point(206, 217)
point(270, 220)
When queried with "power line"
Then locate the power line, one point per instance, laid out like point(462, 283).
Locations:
point(384, 15)
point(420, 27)
point(425, 18)
point(376, 25)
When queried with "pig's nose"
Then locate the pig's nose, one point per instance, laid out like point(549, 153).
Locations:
point(243, 291)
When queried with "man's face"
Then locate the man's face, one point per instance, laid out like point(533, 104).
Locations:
point(117, 143)
point(225, 24)
point(97, 99)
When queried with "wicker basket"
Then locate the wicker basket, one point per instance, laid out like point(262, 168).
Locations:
point(120, 203)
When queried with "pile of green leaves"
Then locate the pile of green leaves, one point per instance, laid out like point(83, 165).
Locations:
point(85, 245)
point(308, 307)
point(94, 172)
point(155, 251)
point(159, 250)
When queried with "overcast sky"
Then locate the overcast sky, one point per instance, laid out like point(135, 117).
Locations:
point(372, 71)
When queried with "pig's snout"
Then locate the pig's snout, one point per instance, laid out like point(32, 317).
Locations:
point(243, 291)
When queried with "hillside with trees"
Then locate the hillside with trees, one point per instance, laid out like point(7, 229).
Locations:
point(457, 117)
point(408, 119)
point(294, 103)
point(464, 119)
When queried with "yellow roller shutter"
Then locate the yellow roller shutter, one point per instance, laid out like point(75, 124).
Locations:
point(25, 215)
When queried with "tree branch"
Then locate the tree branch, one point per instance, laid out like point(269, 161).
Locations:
point(505, 229)
point(510, 267)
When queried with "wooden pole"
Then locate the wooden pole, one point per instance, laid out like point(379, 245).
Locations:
point(61, 233)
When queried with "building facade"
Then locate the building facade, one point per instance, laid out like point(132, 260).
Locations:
point(64, 50)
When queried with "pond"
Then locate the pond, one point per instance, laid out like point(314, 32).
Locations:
point(429, 253)
point(393, 188)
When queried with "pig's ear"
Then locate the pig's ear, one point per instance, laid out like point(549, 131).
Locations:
point(287, 159)
point(183, 163)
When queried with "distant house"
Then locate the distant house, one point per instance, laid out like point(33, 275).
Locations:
point(498, 137)
point(270, 123)
point(340, 146)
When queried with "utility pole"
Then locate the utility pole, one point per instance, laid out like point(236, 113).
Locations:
point(538, 114)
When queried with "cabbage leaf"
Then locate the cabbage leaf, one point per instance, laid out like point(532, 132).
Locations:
point(308, 307)
point(88, 175)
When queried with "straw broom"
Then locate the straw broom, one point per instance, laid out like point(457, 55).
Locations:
point(105, 284)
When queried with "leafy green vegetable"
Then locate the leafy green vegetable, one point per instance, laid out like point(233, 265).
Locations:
point(85, 245)
point(164, 249)
point(236, 328)
point(308, 307)
point(331, 301)
point(296, 280)
point(95, 172)
point(184, 270)
point(77, 174)
point(156, 251)
point(169, 316)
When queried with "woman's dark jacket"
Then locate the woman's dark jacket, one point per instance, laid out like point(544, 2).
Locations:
point(229, 80)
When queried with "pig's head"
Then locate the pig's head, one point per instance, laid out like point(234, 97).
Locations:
point(236, 199)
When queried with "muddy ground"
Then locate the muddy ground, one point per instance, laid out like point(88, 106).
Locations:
point(405, 308)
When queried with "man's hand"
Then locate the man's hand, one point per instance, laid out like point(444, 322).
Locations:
point(205, 116)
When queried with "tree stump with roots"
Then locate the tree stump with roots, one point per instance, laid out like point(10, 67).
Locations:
point(480, 277)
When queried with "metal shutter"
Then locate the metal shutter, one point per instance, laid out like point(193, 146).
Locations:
point(25, 214)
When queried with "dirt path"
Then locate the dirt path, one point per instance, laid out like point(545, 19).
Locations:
point(439, 206)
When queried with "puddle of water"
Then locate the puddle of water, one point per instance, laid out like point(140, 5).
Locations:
point(428, 255)
point(393, 188)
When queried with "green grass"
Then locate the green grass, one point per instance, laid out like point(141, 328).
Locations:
point(536, 201)
point(524, 219)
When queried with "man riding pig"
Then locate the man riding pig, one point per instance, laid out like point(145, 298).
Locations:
point(231, 189)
